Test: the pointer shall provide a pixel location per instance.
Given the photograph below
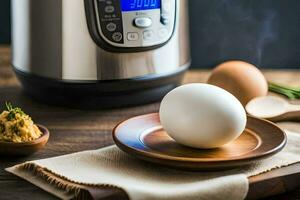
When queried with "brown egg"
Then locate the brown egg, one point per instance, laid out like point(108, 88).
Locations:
point(241, 79)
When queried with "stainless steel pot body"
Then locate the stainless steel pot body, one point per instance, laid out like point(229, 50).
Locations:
point(51, 39)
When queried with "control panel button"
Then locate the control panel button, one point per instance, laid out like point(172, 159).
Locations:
point(165, 11)
point(164, 20)
point(163, 32)
point(111, 27)
point(142, 22)
point(148, 35)
point(109, 9)
point(117, 36)
point(132, 36)
point(166, 6)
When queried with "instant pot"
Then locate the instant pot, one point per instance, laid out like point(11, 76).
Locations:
point(102, 53)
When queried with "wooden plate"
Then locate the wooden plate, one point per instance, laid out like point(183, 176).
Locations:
point(144, 137)
point(25, 148)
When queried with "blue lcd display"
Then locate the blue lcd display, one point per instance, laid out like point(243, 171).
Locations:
point(134, 5)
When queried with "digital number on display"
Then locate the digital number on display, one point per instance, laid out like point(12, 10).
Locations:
point(133, 5)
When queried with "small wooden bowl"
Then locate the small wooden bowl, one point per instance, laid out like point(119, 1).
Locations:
point(25, 148)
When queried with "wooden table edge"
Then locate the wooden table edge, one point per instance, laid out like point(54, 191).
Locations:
point(274, 182)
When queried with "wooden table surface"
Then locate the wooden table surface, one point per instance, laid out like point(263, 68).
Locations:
point(76, 130)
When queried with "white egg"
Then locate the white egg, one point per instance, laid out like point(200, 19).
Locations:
point(202, 115)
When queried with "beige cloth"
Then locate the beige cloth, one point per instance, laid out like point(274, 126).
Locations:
point(146, 181)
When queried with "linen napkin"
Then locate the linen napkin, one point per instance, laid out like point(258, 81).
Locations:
point(110, 167)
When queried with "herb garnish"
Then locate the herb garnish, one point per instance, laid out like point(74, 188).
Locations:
point(14, 129)
point(12, 111)
point(289, 92)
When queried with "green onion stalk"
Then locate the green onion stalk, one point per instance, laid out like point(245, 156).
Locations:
point(289, 92)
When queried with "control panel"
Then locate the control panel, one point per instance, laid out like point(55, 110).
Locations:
point(135, 23)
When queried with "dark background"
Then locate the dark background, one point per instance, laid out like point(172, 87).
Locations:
point(263, 32)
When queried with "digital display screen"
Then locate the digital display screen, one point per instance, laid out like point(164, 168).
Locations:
point(134, 5)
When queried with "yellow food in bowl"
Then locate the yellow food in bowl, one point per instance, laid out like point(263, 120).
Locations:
point(16, 126)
